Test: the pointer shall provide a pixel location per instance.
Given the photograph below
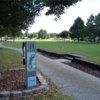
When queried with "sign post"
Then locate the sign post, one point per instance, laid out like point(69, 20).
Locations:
point(29, 50)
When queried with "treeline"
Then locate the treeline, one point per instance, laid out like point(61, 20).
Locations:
point(41, 34)
point(89, 32)
point(79, 31)
point(18, 15)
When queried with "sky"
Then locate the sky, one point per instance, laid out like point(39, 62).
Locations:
point(82, 9)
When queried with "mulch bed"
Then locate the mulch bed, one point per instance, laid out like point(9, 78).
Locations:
point(83, 68)
point(13, 80)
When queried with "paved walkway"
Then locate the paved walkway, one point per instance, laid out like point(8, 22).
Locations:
point(75, 83)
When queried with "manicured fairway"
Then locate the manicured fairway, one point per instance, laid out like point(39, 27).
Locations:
point(90, 50)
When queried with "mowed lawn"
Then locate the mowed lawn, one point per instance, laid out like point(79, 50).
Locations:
point(90, 50)
point(10, 59)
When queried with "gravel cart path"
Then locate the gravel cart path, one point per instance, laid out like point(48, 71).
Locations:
point(75, 83)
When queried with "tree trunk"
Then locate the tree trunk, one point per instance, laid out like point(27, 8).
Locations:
point(13, 39)
point(78, 39)
point(94, 39)
point(98, 39)
point(1, 39)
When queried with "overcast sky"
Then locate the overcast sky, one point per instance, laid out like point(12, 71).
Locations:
point(82, 9)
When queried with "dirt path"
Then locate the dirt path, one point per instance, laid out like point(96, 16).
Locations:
point(75, 83)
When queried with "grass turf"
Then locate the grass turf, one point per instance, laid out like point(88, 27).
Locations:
point(90, 50)
point(10, 59)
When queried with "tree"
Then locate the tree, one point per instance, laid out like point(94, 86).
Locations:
point(57, 7)
point(33, 35)
point(53, 35)
point(97, 27)
point(1, 33)
point(26, 34)
point(42, 34)
point(90, 28)
point(64, 34)
point(77, 29)
point(17, 15)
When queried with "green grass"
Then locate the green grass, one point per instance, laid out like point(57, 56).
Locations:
point(13, 59)
point(10, 59)
point(90, 50)
point(15, 44)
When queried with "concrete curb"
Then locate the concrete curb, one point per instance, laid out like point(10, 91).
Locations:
point(6, 95)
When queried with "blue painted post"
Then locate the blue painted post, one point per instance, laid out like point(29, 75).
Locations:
point(30, 64)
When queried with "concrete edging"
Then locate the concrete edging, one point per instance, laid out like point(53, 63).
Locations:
point(6, 95)
point(73, 59)
point(87, 64)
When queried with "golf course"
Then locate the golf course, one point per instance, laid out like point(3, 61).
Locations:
point(91, 51)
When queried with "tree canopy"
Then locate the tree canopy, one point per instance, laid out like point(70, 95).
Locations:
point(90, 27)
point(64, 34)
point(77, 29)
point(93, 28)
point(57, 7)
point(97, 26)
point(42, 34)
point(17, 15)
